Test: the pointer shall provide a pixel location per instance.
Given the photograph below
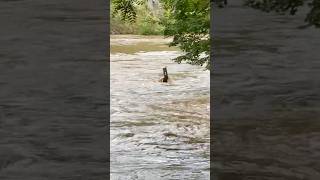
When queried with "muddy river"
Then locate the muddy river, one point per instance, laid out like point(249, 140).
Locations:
point(266, 92)
point(157, 130)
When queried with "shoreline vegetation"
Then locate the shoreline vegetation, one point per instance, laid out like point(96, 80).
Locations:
point(187, 22)
point(147, 23)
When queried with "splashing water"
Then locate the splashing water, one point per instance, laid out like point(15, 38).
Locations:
point(158, 130)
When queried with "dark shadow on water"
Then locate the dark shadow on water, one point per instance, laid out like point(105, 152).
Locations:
point(266, 96)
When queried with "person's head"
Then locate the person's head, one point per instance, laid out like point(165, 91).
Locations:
point(165, 73)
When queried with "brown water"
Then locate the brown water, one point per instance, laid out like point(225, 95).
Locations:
point(266, 92)
point(158, 130)
point(53, 90)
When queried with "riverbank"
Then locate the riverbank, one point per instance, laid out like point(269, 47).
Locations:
point(147, 22)
point(143, 26)
point(130, 44)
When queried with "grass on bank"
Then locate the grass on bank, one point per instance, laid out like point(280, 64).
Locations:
point(146, 24)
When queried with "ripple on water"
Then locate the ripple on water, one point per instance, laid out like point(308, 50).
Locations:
point(158, 130)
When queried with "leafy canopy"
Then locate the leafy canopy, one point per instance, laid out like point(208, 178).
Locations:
point(127, 8)
point(187, 21)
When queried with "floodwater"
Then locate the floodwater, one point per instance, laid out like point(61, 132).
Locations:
point(53, 90)
point(266, 92)
point(157, 130)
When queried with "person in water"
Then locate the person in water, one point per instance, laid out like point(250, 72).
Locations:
point(165, 75)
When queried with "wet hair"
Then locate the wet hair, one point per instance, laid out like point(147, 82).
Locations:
point(165, 75)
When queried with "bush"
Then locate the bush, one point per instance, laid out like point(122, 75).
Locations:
point(146, 23)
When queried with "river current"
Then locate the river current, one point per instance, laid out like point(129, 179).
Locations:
point(158, 130)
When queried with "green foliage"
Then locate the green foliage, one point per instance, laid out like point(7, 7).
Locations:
point(149, 27)
point(141, 21)
point(147, 23)
point(188, 21)
point(118, 26)
point(127, 8)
